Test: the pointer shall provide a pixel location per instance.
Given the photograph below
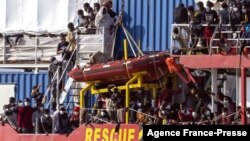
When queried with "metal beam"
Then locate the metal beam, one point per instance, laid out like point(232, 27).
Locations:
point(214, 87)
point(243, 96)
point(18, 65)
point(214, 61)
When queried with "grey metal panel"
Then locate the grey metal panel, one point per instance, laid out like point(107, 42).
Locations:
point(149, 21)
point(24, 82)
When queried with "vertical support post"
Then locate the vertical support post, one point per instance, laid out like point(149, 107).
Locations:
point(57, 88)
point(171, 40)
point(154, 93)
point(243, 96)
point(128, 96)
point(36, 45)
point(214, 88)
point(82, 98)
point(127, 103)
point(225, 86)
point(237, 86)
point(125, 49)
point(77, 50)
point(4, 51)
point(82, 92)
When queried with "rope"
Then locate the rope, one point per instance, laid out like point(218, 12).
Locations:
point(127, 70)
point(130, 36)
point(94, 117)
point(113, 47)
point(141, 113)
point(158, 78)
point(131, 46)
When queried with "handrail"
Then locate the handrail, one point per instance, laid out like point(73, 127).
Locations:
point(62, 75)
point(32, 51)
point(213, 25)
point(47, 91)
point(211, 40)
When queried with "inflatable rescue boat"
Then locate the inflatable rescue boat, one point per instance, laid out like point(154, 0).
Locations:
point(123, 70)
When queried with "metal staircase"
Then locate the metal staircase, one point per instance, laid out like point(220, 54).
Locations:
point(87, 45)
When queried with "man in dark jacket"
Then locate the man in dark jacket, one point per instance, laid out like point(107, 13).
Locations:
point(46, 121)
point(36, 116)
point(181, 17)
point(62, 122)
point(10, 116)
point(52, 74)
point(25, 119)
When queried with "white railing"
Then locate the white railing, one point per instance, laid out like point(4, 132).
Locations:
point(87, 44)
point(213, 40)
point(35, 50)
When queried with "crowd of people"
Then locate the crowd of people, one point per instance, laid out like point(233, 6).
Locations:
point(24, 118)
point(235, 13)
point(100, 19)
point(88, 20)
point(143, 109)
point(146, 110)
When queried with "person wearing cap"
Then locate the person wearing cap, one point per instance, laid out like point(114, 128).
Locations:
point(210, 16)
point(13, 107)
point(236, 17)
point(82, 21)
point(61, 121)
point(87, 9)
point(52, 71)
point(200, 7)
point(10, 116)
point(97, 7)
point(46, 122)
point(25, 119)
point(62, 46)
point(224, 14)
point(74, 120)
point(36, 116)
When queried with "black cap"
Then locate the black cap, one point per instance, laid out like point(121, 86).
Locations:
point(210, 4)
point(181, 5)
point(224, 5)
point(86, 4)
point(97, 5)
point(12, 100)
point(62, 109)
point(52, 59)
point(27, 100)
point(200, 4)
point(190, 8)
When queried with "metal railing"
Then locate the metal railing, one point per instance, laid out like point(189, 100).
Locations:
point(82, 47)
point(213, 38)
point(30, 49)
